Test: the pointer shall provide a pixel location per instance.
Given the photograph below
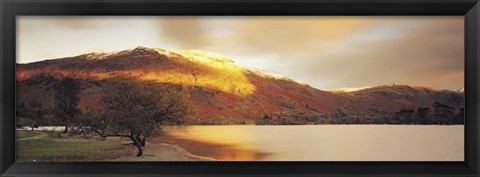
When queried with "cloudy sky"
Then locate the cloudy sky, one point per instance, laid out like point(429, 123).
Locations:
point(325, 52)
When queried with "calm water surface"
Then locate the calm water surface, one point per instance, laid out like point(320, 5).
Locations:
point(323, 142)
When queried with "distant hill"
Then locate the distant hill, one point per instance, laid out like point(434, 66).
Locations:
point(224, 92)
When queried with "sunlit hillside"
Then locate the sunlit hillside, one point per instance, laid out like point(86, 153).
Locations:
point(224, 92)
point(207, 70)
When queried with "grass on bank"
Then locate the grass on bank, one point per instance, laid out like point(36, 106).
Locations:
point(21, 134)
point(67, 148)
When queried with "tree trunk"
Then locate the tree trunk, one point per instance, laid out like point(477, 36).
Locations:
point(138, 144)
point(140, 150)
point(34, 122)
point(66, 129)
point(137, 136)
point(144, 139)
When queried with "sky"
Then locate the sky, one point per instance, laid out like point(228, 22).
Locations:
point(326, 52)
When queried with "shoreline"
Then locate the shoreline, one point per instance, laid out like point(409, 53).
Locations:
point(188, 154)
point(161, 152)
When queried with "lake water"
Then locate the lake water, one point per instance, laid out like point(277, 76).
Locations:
point(322, 142)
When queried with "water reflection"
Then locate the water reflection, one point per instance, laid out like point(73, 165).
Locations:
point(226, 152)
point(322, 142)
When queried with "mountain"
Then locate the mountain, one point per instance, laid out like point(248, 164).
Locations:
point(224, 92)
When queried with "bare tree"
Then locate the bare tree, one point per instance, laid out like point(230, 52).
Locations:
point(137, 110)
point(20, 112)
point(36, 112)
point(66, 101)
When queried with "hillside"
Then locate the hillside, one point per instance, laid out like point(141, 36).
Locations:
point(224, 92)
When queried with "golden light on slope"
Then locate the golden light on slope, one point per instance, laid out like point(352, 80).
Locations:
point(187, 68)
point(227, 83)
point(219, 73)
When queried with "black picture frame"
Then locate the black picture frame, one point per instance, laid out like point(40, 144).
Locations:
point(9, 9)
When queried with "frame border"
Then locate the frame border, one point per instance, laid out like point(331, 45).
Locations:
point(9, 9)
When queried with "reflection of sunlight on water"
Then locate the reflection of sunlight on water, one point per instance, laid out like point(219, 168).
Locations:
point(222, 143)
point(236, 136)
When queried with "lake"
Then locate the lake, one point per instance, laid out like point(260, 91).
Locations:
point(322, 142)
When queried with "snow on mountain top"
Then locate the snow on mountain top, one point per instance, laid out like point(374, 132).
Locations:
point(349, 89)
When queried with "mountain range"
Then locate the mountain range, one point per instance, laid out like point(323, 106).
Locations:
point(224, 92)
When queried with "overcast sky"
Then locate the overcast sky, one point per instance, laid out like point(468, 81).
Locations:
point(324, 52)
